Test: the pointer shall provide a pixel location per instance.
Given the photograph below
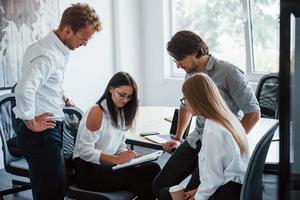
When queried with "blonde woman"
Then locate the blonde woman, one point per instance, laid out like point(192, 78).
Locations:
point(223, 158)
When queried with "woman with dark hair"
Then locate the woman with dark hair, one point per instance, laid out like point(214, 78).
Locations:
point(100, 143)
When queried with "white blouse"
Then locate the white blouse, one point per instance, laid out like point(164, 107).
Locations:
point(220, 160)
point(107, 139)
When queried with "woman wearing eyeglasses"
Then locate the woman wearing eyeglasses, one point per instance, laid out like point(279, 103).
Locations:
point(223, 157)
point(100, 143)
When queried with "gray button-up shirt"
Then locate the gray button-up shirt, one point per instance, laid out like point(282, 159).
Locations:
point(234, 88)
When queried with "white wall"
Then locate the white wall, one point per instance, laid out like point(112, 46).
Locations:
point(91, 67)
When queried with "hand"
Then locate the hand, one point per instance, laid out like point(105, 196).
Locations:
point(190, 195)
point(125, 156)
point(41, 122)
point(171, 145)
point(69, 103)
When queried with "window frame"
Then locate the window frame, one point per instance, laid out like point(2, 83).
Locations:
point(249, 50)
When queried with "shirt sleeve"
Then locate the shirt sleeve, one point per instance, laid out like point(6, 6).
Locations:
point(211, 158)
point(36, 74)
point(122, 146)
point(86, 144)
point(241, 91)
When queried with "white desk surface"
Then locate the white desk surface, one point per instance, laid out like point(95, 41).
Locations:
point(151, 119)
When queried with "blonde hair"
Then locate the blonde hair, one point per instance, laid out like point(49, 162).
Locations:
point(80, 15)
point(206, 100)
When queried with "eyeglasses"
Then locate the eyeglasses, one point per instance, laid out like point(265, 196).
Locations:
point(82, 39)
point(123, 96)
point(177, 60)
point(182, 101)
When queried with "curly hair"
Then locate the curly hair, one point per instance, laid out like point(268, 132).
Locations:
point(78, 16)
point(185, 43)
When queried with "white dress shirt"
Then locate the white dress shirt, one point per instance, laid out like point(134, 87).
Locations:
point(220, 160)
point(39, 89)
point(107, 139)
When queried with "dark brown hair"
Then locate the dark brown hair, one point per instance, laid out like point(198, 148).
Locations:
point(130, 108)
point(78, 16)
point(185, 43)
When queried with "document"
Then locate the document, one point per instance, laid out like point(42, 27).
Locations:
point(145, 158)
point(160, 139)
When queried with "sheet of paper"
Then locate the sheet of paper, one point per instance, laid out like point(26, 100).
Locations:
point(142, 159)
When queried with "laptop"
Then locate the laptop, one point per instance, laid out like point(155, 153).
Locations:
point(162, 138)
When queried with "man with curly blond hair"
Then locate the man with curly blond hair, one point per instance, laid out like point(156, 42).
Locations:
point(40, 99)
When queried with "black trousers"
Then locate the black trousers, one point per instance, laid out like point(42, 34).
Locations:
point(182, 163)
point(230, 190)
point(137, 179)
point(43, 152)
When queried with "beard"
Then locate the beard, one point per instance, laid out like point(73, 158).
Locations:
point(193, 69)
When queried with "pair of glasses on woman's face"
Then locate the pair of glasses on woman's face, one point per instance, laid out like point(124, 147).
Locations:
point(122, 95)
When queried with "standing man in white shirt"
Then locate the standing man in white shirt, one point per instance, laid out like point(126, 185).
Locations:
point(40, 98)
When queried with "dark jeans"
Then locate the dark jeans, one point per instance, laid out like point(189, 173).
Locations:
point(182, 163)
point(102, 178)
point(43, 152)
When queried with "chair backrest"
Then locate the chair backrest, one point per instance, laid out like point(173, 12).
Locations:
point(13, 88)
point(7, 128)
point(252, 186)
point(73, 116)
point(267, 94)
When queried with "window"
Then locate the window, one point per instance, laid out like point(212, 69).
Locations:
point(230, 34)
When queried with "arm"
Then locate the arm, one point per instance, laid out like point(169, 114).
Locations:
point(184, 117)
point(88, 139)
point(68, 102)
point(243, 96)
point(249, 120)
point(211, 160)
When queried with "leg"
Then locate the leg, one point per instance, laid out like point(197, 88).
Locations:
point(140, 178)
point(46, 168)
point(102, 178)
point(230, 190)
point(180, 165)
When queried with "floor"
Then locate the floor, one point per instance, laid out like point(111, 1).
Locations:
point(269, 181)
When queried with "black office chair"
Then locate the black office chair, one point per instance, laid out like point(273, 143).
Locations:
point(14, 163)
point(252, 186)
point(13, 88)
point(267, 94)
point(73, 116)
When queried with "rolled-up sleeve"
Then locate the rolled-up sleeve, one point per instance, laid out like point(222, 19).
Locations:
point(241, 91)
point(122, 146)
point(36, 74)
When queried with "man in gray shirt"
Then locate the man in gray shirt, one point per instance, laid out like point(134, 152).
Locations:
point(191, 54)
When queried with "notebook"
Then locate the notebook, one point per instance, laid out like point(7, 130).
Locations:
point(162, 138)
point(145, 158)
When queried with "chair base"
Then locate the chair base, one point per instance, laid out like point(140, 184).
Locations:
point(18, 186)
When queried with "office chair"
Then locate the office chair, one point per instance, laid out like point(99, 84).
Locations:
point(267, 94)
point(14, 163)
point(13, 88)
point(252, 186)
point(73, 116)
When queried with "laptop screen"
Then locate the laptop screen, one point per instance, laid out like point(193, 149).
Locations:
point(174, 124)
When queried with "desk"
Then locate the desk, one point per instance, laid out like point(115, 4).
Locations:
point(151, 119)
